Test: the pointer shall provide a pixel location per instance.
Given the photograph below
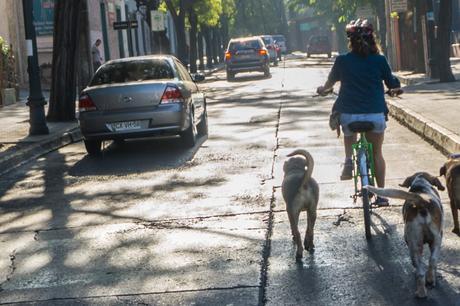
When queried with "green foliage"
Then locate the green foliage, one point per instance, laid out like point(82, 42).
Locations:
point(208, 11)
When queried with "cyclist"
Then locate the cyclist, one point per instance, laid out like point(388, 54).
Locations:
point(361, 96)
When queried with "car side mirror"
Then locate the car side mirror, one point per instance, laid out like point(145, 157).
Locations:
point(198, 77)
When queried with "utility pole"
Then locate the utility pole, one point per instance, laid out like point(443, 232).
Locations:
point(35, 101)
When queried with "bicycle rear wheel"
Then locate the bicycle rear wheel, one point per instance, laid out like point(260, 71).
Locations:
point(364, 176)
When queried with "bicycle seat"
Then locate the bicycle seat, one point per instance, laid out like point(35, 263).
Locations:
point(361, 126)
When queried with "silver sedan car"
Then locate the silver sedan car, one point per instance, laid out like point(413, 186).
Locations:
point(142, 96)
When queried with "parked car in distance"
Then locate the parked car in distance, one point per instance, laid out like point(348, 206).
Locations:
point(271, 47)
point(142, 96)
point(319, 45)
point(280, 40)
point(246, 55)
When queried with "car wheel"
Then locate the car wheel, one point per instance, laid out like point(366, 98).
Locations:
point(203, 125)
point(230, 76)
point(267, 71)
point(189, 135)
point(93, 147)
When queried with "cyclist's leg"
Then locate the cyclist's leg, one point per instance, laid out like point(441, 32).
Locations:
point(377, 141)
point(348, 142)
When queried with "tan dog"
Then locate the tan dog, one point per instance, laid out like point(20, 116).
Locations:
point(451, 170)
point(423, 218)
point(301, 193)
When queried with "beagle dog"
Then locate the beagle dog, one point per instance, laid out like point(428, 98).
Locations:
point(451, 170)
point(423, 223)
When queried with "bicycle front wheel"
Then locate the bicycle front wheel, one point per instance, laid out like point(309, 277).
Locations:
point(364, 176)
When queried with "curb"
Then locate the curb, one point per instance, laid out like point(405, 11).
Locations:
point(22, 156)
point(444, 140)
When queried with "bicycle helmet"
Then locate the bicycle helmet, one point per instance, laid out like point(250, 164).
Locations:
point(359, 28)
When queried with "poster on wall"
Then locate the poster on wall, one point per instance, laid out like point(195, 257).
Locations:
point(43, 17)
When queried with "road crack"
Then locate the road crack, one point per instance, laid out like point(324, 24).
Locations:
point(12, 268)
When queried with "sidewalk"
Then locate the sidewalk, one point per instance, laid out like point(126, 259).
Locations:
point(17, 147)
point(431, 109)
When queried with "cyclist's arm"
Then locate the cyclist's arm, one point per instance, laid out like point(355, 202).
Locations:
point(391, 81)
point(334, 77)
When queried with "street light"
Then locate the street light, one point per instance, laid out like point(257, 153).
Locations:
point(35, 101)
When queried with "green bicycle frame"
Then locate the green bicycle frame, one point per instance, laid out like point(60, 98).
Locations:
point(362, 143)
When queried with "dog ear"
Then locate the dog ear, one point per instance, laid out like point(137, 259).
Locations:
point(442, 171)
point(436, 182)
point(408, 181)
point(433, 181)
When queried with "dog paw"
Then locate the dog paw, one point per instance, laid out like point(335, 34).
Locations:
point(298, 256)
point(309, 246)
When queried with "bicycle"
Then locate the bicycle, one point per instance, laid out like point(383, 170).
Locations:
point(363, 163)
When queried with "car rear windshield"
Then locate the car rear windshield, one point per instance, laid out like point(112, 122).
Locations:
point(245, 45)
point(133, 71)
point(279, 38)
point(266, 41)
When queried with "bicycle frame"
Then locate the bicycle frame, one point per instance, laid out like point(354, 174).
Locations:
point(362, 146)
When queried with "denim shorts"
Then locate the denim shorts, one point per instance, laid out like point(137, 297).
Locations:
point(377, 118)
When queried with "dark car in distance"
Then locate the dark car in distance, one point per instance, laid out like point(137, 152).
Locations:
point(246, 55)
point(319, 44)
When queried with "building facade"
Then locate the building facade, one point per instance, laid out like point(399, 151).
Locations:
point(102, 14)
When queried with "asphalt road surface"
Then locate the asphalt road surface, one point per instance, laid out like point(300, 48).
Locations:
point(153, 223)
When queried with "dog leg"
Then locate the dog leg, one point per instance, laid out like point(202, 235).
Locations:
point(308, 242)
point(453, 206)
point(415, 245)
point(435, 248)
point(294, 222)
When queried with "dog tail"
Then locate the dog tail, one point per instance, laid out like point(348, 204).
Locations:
point(310, 164)
point(398, 194)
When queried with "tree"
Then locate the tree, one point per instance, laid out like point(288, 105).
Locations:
point(444, 42)
point(178, 10)
point(66, 46)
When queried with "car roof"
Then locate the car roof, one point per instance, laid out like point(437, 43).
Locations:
point(143, 57)
point(244, 38)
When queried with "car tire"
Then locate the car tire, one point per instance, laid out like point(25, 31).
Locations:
point(189, 135)
point(267, 71)
point(93, 147)
point(230, 76)
point(203, 125)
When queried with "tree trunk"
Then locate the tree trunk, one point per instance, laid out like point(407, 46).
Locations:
point(200, 50)
point(67, 28)
point(193, 30)
point(444, 41)
point(207, 39)
point(85, 71)
point(215, 45)
point(179, 24)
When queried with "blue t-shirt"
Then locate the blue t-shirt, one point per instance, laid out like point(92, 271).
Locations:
point(361, 86)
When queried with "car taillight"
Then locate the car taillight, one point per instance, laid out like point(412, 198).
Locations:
point(86, 104)
point(228, 55)
point(172, 94)
point(262, 52)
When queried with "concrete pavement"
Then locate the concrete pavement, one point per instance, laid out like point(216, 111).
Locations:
point(17, 147)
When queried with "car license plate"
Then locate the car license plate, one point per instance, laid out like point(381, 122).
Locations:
point(125, 126)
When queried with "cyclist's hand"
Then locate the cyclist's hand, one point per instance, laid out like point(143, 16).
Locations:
point(322, 91)
point(394, 92)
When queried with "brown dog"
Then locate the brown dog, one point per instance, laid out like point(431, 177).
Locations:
point(300, 192)
point(451, 170)
point(423, 223)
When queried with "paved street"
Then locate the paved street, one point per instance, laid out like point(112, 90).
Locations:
point(153, 223)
